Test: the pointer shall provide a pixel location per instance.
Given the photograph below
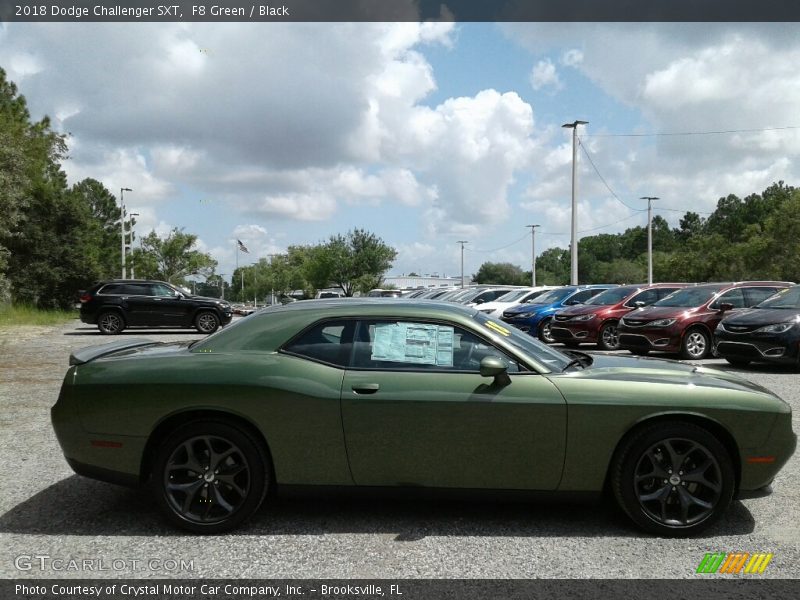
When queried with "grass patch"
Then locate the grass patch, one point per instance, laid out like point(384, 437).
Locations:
point(21, 314)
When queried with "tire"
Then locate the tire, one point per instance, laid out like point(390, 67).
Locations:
point(187, 483)
point(110, 322)
point(608, 338)
point(206, 321)
point(572, 345)
point(651, 484)
point(696, 344)
point(738, 362)
point(544, 332)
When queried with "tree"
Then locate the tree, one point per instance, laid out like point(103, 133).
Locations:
point(173, 258)
point(105, 226)
point(29, 154)
point(500, 274)
point(353, 262)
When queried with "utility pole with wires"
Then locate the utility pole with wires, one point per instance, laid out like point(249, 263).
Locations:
point(573, 246)
point(462, 242)
point(243, 248)
point(122, 223)
point(533, 253)
point(649, 237)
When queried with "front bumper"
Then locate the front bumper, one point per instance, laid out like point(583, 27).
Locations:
point(769, 347)
point(661, 339)
point(566, 331)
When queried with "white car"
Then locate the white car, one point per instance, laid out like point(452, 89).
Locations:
point(512, 298)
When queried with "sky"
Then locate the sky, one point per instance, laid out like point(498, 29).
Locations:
point(279, 134)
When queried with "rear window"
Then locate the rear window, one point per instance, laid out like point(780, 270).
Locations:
point(110, 289)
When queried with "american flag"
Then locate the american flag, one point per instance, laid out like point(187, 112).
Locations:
point(242, 247)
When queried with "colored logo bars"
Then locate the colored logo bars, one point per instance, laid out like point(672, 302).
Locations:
point(734, 563)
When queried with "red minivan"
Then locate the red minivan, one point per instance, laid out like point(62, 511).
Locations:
point(595, 321)
point(684, 321)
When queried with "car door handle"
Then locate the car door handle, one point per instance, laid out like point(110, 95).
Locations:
point(366, 388)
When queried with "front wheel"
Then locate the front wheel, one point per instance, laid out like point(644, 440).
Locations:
point(209, 477)
point(673, 479)
point(545, 334)
point(696, 344)
point(608, 338)
point(206, 322)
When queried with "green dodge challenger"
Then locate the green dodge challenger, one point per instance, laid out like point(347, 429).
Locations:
point(384, 393)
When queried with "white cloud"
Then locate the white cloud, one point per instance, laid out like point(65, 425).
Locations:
point(544, 75)
point(572, 58)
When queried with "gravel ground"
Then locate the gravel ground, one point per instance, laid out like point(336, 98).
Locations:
point(47, 510)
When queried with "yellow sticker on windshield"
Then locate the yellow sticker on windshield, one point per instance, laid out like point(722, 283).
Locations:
point(498, 328)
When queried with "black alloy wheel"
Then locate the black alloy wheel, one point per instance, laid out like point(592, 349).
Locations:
point(673, 479)
point(206, 322)
point(110, 322)
point(209, 477)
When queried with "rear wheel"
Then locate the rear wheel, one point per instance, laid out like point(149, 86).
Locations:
point(206, 322)
point(209, 477)
point(673, 478)
point(608, 338)
point(545, 334)
point(696, 344)
point(110, 322)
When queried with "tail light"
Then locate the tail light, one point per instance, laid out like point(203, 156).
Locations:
point(85, 297)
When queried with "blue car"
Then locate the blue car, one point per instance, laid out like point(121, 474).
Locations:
point(534, 317)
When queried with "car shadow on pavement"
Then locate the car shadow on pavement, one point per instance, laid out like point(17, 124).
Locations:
point(80, 506)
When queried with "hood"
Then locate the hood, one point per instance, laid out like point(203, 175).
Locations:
point(206, 299)
point(634, 369)
point(534, 308)
point(583, 309)
point(762, 316)
point(651, 313)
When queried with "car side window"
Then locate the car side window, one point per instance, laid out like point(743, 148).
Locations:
point(646, 296)
point(111, 289)
point(734, 296)
point(329, 342)
point(664, 292)
point(756, 295)
point(159, 289)
point(136, 289)
point(583, 296)
point(390, 345)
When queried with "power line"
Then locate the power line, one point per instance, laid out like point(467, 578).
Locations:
point(687, 133)
point(496, 249)
point(592, 228)
point(608, 187)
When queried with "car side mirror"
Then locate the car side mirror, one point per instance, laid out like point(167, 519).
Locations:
point(480, 301)
point(492, 366)
point(725, 307)
point(180, 296)
point(640, 303)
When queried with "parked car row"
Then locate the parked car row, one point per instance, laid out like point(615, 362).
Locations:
point(741, 321)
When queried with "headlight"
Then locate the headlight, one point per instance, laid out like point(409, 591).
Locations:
point(526, 315)
point(487, 311)
point(661, 323)
point(588, 317)
point(777, 327)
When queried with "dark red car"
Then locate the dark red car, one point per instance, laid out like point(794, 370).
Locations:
point(595, 321)
point(684, 321)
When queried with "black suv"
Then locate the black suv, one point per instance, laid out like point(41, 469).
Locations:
point(115, 305)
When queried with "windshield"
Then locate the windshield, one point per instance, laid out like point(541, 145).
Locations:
point(513, 296)
point(528, 345)
point(690, 297)
point(787, 298)
point(612, 296)
point(552, 296)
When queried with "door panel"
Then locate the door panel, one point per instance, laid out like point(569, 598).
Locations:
point(453, 429)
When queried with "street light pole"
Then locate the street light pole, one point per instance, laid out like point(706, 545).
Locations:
point(533, 253)
point(649, 237)
point(573, 246)
point(122, 224)
point(462, 242)
point(131, 215)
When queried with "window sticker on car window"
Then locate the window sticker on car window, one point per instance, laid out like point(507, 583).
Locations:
point(498, 328)
point(415, 343)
